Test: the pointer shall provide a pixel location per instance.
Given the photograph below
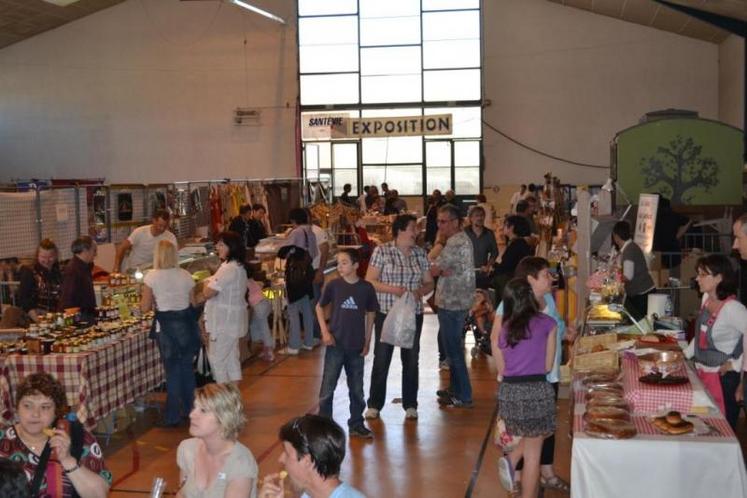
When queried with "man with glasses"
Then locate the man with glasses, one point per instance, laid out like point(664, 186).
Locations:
point(454, 263)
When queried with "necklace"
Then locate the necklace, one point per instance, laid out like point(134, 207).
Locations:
point(32, 447)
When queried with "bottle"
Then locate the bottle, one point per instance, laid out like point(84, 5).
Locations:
point(668, 306)
point(561, 279)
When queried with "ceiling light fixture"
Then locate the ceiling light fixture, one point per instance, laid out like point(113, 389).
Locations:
point(61, 3)
point(257, 10)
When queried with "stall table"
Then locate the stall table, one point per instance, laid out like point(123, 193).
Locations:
point(96, 382)
point(652, 463)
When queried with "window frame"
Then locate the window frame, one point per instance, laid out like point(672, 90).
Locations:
point(422, 104)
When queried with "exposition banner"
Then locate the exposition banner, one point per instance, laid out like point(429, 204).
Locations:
point(331, 126)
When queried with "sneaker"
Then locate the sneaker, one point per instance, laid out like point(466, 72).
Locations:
point(506, 473)
point(289, 351)
point(456, 403)
point(444, 393)
point(411, 414)
point(306, 348)
point(371, 414)
point(361, 431)
point(444, 365)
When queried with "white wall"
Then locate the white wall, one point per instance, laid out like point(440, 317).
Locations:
point(144, 92)
point(731, 81)
point(566, 80)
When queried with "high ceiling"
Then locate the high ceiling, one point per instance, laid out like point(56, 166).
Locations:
point(21, 19)
point(650, 13)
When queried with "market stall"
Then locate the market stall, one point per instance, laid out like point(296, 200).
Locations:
point(105, 373)
point(643, 424)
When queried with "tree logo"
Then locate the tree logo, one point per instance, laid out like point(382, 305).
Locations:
point(678, 171)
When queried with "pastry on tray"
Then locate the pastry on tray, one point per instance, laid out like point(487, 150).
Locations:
point(610, 429)
point(606, 412)
point(673, 423)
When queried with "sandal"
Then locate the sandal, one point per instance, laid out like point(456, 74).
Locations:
point(555, 482)
point(517, 489)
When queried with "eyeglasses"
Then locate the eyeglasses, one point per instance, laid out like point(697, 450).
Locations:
point(444, 221)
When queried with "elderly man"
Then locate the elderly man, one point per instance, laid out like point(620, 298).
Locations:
point(143, 240)
point(454, 264)
point(77, 281)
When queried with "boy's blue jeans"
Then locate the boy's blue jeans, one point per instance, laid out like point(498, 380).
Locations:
point(335, 359)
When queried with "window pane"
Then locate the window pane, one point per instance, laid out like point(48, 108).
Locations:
point(467, 181)
point(389, 8)
point(343, 176)
point(346, 156)
point(466, 153)
point(438, 154)
point(462, 84)
point(438, 178)
point(386, 61)
point(328, 31)
point(451, 53)
point(385, 113)
point(392, 150)
point(311, 156)
point(465, 121)
point(451, 25)
point(328, 58)
point(408, 180)
point(374, 175)
point(391, 31)
point(450, 4)
point(324, 7)
point(400, 88)
point(329, 89)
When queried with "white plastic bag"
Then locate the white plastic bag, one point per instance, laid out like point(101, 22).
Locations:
point(399, 324)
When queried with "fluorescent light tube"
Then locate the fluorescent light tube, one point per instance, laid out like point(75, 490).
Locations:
point(258, 11)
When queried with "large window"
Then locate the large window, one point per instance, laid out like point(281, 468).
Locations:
point(383, 58)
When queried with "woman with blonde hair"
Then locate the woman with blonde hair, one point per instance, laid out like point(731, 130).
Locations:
point(170, 290)
point(213, 464)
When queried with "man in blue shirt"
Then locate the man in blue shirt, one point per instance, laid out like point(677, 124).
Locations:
point(313, 450)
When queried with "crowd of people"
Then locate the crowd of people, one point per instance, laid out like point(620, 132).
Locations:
point(466, 268)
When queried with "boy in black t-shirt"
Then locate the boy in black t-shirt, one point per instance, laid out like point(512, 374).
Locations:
point(347, 337)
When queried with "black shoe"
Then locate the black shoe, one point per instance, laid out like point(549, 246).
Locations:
point(444, 393)
point(361, 431)
point(454, 402)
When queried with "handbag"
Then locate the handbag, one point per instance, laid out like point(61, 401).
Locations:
point(203, 373)
point(501, 437)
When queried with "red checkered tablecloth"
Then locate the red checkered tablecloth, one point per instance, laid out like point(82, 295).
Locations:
point(96, 382)
point(649, 399)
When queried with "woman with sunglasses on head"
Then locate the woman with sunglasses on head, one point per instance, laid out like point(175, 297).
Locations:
point(536, 271)
point(213, 464)
point(717, 346)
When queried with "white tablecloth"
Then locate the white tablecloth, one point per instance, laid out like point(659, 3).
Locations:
point(654, 465)
point(657, 466)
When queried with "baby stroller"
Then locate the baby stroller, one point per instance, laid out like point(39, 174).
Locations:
point(480, 314)
point(482, 340)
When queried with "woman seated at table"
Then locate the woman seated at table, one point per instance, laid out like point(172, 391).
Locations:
point(717, 347)
point(65, 456)
point(170, 290)
point(40, 284)
point(213, 464)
